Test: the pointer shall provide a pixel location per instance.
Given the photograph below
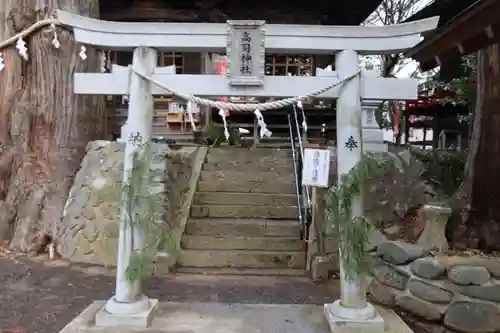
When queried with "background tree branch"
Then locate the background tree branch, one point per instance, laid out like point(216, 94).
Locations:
point(393, 12)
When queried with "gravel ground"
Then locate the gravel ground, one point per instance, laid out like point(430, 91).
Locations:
point(40, 296)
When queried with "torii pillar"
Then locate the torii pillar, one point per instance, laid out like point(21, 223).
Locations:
point(351, 313)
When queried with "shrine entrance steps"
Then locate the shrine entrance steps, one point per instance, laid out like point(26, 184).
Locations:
point(244, 215)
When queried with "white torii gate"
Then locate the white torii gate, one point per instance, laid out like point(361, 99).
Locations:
point(245, 43)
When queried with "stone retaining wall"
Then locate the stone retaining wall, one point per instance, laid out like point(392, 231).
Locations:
point(387, 198)
point(461, 292)
point(91, 215)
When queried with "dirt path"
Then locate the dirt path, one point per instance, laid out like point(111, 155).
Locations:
point(38, 296)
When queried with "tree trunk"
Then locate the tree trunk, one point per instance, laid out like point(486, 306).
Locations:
point(458, 226)
point(485, 188)
point(44, 127)
point(478, 221)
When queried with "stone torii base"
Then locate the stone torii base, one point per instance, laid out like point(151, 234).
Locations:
point(175, 317)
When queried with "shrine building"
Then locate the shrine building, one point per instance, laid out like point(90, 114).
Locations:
point(171, 120)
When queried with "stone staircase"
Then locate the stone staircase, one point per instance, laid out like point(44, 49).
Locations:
point(244, 215)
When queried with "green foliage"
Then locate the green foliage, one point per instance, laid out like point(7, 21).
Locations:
point(352, 231)
point(460, 85)
point(214, 136)
point(444, 169)
point(142, 208)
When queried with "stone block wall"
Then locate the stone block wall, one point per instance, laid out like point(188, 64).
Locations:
point(462, 293)
point(91, 214)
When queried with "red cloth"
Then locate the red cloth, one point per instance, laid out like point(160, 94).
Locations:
point(222, 70)
point(396, 119)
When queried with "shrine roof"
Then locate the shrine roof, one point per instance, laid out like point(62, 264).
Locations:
point(339, 12)
point(465, 27)
point(445, 9)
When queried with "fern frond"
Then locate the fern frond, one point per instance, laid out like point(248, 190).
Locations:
point(142, 206)
point(351, 232)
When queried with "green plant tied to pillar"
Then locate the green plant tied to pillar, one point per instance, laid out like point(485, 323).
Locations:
point(143, 204)
point(351, 232)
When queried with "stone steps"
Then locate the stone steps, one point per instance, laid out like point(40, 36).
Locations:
point(244, 211)
point(212, 242)
point(247, 187)
point(244, 216)
point(245, 155)
point(242, 258)
point(248, 166)
point(246, 176)
point(261, 158)
point(250, 199)
point(243, 228)
point(261, 162)
point(292, 272)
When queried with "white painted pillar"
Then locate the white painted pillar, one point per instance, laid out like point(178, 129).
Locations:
point(351, 313)
point(373, 136)
point(123, 133)
point(128, 298)
point(349, 127)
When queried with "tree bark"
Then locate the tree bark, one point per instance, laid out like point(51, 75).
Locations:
point(485, 188)
point(477, 202)
point(44, 127)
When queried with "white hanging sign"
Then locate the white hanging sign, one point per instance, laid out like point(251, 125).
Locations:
point(316, 167)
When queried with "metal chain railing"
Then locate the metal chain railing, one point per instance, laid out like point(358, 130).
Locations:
point(279, 104)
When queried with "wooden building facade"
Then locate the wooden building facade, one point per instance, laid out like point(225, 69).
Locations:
point(432, 114)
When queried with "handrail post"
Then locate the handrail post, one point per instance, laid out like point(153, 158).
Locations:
point(301, 159)
point(295, 172)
